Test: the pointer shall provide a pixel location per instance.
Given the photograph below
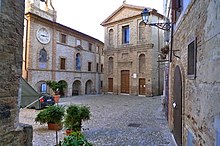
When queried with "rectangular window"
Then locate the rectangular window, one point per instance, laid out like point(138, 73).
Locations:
point(62, 63)
point(101, 67)
point(90, 47)
point(63, 38)
point(89, 66)
point(125, 34)
point(97, 67)
point(191, 70)
point(78, 42)
point(101, 84)
point(177, 7)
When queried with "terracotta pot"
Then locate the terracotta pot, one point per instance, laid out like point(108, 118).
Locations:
point(165, 50)
point(54, 126)
point(68, 131)
point(56, 98)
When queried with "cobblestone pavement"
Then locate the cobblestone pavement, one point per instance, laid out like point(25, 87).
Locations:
point(116, 120)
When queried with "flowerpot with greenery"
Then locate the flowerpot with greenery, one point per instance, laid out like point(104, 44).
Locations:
point(75, 114)
point(51, 115)
point(75, 139)
point(58, 88)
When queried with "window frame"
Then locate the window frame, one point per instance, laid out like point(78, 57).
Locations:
point(62, 66)
point(177, 8)
point(78, 65)
point(90, 47)
point(192, 59)
point(89, 66)
point(125, 34)
point(78, 42)
point(63, 38)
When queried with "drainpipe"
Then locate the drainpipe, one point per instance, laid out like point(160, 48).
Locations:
point(26, 57)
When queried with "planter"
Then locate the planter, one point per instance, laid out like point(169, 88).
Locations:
point(68, 131)
point(54, 126)
point(56, 98)
point(165, 50)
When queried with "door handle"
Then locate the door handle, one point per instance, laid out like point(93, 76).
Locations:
point(174, 105)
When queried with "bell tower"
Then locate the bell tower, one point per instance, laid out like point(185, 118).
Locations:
point(42, 8)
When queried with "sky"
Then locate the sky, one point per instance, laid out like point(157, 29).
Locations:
point(87, 15)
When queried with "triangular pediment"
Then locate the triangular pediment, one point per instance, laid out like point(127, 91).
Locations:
point(123, 12)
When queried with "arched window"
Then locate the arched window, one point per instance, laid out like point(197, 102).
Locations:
point(142, 32)
point(142, 66)
point(110, 65)
point(111, 34)
point(78, 61)
point(43, 55)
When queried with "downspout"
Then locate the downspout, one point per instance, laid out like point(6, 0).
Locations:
point(25, 60)
point(158, 64)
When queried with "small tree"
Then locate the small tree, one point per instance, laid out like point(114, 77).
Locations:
point(57, 87)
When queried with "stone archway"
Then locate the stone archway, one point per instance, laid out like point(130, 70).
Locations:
point(76, 88)
point(177, 106)
point(88, 89)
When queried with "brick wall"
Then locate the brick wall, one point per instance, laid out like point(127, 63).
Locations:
point(201, 100)
point(11, 34)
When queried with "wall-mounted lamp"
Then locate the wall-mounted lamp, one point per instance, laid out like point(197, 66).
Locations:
point(167, 26)
point(164, 26)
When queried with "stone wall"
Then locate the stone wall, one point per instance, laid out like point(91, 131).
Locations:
point(11, 34)
point(126, 55)
point(201, 112)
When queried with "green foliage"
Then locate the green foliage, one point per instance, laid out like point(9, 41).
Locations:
point(51, 114)
point(75, 114)
point(54, 85)
point(75, 139)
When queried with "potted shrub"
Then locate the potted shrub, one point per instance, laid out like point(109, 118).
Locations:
point(75, 114)
point(57, 87)
point(52, 115)
point(75, 139)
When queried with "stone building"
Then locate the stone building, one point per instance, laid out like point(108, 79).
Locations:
point(194, 85)
point(11, 34)
point(56, 52)
point(131, 53)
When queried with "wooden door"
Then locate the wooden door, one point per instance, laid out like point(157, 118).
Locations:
point(125, 81)
point(110, 84)
point(142, 86)
point(177, 106)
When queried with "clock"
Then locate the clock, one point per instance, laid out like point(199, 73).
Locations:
point(43, 35)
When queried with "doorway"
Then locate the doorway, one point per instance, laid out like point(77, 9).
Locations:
point(142, 86)
point(177, 106)
point(110, 84)
point(125, 81)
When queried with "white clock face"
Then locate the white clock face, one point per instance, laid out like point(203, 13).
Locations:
point(43, 35)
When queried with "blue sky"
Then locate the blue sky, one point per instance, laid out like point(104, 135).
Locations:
point(87, 15)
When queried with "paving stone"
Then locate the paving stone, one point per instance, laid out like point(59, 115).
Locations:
point(116, 120)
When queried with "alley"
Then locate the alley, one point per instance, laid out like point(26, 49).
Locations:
point(116, 120)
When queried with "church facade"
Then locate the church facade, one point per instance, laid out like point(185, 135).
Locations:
point(131, 53)
point(53, 51)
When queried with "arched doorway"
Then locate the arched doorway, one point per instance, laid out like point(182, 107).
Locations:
point(177, 106)
point(76, 88)
point(88, 89)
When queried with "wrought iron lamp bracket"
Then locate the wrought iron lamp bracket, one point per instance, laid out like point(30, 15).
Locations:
point(164, 26)
point(174, 53)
